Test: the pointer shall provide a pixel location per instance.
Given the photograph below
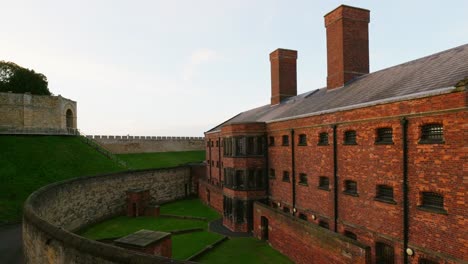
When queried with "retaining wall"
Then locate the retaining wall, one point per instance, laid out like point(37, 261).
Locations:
point(147, 144)
point(53, 212)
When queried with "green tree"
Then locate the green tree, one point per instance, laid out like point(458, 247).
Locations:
point(17, 79)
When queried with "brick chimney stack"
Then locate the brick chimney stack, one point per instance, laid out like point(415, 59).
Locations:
point(347, 44)
point(283, 75)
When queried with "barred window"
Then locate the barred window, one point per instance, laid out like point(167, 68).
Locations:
point(272, 173)
point(217, 143)
point(324, 183)
point(271, 141)
point(432, 201)
point(432, 133)
point(384, 193)
point(384, 254)
point(302, 140)
point(285, 176)
point(212, 143)
point(250, 145)
point(324, 224)
point(350, 187)
point(285, 140)
point(303, 178)
point(350, 234)
point(384, 135)
point(427, 261)
point(286, 209)
point(240, 146)
point(350, 137)
point(303, 216)
point(323, 139)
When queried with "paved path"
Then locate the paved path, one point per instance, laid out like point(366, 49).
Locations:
point(10, 244)
point(216, 226)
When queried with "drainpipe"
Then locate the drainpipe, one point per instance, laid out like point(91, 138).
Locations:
point(293, 172)
point(404, 130)
point(335, 178)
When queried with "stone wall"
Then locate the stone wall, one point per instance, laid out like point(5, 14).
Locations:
point(19, 111)
point(53, 212)
point(146, 144)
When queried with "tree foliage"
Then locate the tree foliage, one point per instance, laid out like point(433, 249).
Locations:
point(17, 79)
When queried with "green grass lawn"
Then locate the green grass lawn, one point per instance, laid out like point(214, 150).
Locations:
point(243, 250)
point(123, 225)
point(190, 207)
point(161, 159)
point(185, 245)
point(30, 162)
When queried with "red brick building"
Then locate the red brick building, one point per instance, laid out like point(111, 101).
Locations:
point(370, 169)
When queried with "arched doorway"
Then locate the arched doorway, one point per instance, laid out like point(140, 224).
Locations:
point(69, 117)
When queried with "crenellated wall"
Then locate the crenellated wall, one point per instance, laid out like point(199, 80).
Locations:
point(147, 144)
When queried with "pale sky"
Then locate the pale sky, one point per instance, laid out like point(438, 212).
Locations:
point(179, 68)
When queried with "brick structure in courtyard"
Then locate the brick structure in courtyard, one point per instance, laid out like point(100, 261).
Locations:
point(370, 169)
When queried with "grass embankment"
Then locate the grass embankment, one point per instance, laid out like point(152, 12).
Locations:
point(30, 162)
point(183, 245)
point(243, 250)
point(161, 159)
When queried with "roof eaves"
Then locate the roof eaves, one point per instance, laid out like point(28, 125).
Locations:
point(439, 91)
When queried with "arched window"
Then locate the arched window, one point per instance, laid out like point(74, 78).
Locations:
point(69, 117)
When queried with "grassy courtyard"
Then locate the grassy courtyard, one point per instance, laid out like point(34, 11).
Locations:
point(30, 162)
point(234, 250)
point(161, 159)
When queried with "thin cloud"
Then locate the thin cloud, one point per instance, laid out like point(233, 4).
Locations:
point(197, 58)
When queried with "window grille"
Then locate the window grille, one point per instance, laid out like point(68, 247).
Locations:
point(324, 183)
point(271, 141)
point(240, 146)
point(285, 176)
point(303, 178)
point(250, 145)
point(350, 187)
point(350, 234)
point(431, 200)
point(285, 140)
point(350, 137)
point(384, 253)
point(432, 133)
point(323, 139)
point(384, 192)
point(302, 140)
point(324, 224)
point(427, 261)
point(217, 143)
point(272, 173)
point(384, 135)
point(303, 216)
point(240, 181)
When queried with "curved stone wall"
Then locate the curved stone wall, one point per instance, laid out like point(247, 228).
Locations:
point(54, 212)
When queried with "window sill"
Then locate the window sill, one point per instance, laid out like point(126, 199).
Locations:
point(433, 210)
point(287, 145)
point(384, 143)
point(323, 144)
point(324, 188)
point(431, 142)
point(302, 145)
point(351, 194)
point(303, 184)
point(349, 144)
point(383, 200)
point(286, 181)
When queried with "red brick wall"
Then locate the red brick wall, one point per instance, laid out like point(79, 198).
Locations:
point(216, 195)
point(306, 243)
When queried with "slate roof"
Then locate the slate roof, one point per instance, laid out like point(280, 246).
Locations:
point(432, 74)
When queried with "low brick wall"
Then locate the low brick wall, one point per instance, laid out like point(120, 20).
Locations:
point(143, 144)
point(53, 212)
point(307, 243)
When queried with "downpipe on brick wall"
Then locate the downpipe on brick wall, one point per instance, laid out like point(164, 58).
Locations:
point(404, 130)
point(335, 179)
point(293, 172)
